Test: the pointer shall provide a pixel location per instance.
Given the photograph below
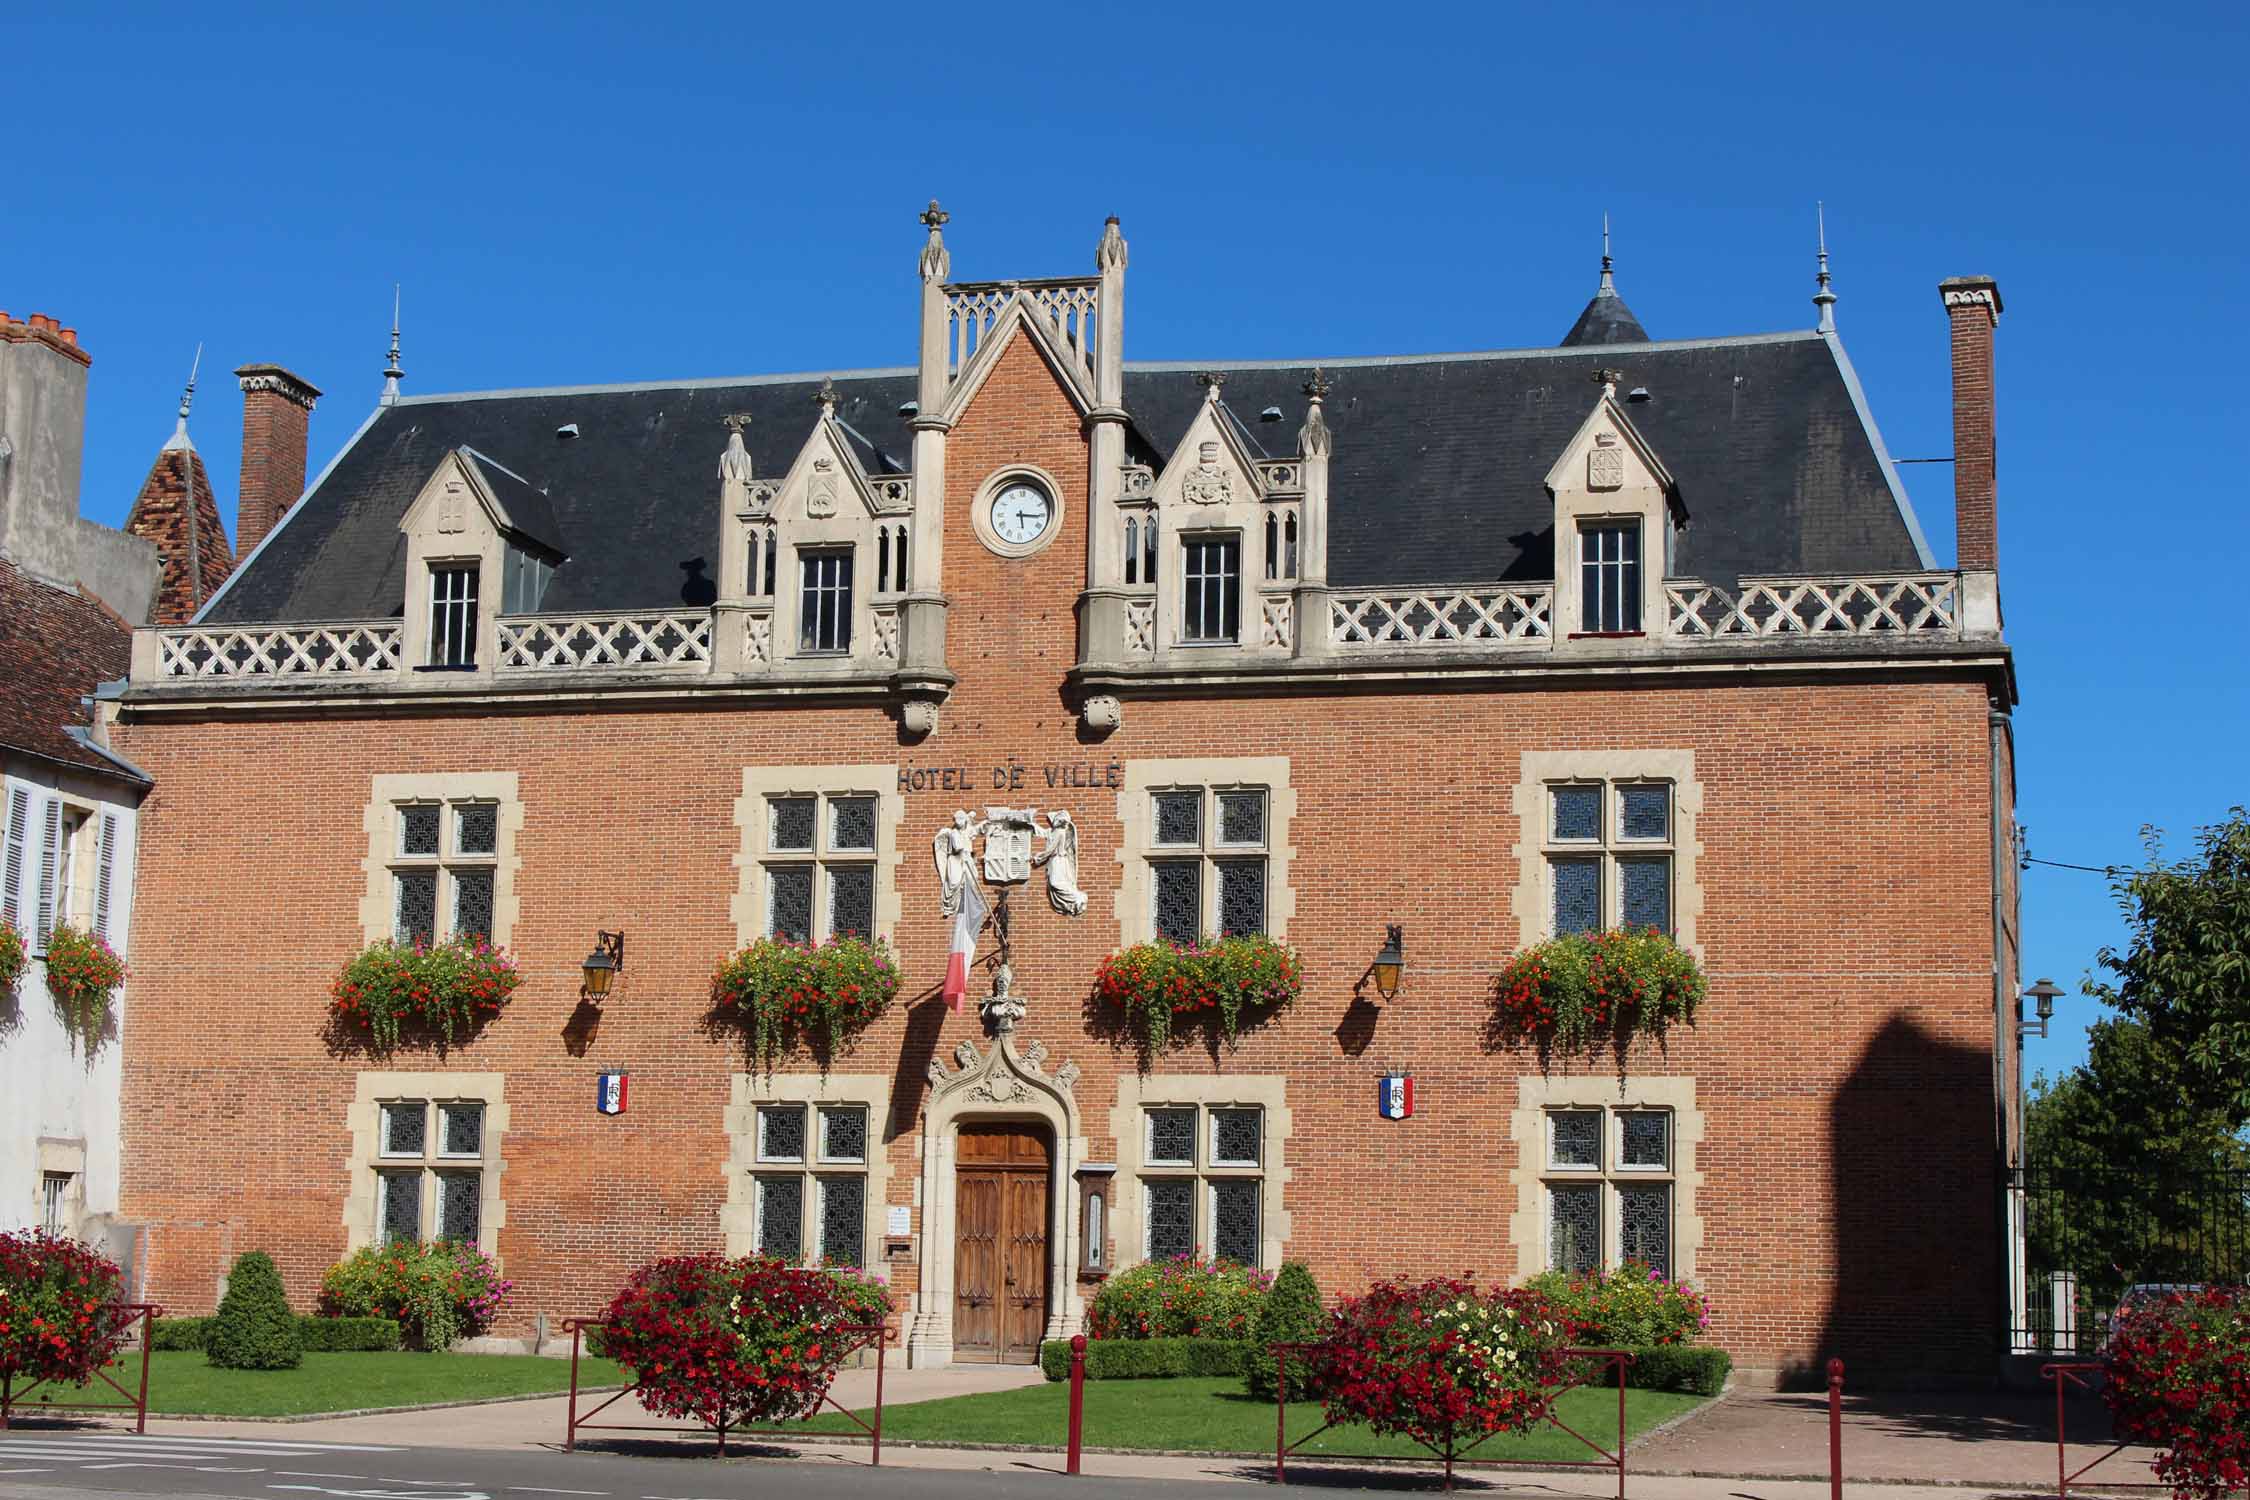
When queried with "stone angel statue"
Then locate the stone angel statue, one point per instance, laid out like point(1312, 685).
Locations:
point(1058, 851)
point(954, 850)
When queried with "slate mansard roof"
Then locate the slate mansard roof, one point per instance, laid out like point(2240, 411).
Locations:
point(1437, 475)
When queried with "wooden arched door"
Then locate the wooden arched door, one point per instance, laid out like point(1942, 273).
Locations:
point(1001, 1213)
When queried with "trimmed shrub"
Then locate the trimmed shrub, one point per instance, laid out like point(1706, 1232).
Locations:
point(436, 1293)
point(1629, 1307)
point(1180, 1297)
point(1691, 1369)
point(52, 1297)
point(318, 1335)
point(2177, 1378)
point(1150, 1359)
point(1291, 1314)
point(254, 1329)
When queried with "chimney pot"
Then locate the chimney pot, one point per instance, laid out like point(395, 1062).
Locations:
point(1972, 306)
point(70, 335)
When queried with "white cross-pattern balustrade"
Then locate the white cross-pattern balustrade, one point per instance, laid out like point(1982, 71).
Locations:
point(624, 641)
point(1902, 604)
point(1465, 616)
point(360, 648)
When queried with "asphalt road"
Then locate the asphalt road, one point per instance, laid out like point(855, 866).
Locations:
point(49, 1464)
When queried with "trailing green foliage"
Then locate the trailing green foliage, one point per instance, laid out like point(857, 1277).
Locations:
point(1577, 992)
point(782, 993)
point(1156, 985)
point(1627, 1306)
point(83, 973)
point(446, 990)
point(1291, 1314)
point(13, 956)
point(1148, 1359)
point(316, 1334)
point(254, 1329)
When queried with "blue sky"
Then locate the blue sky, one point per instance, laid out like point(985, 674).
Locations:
point(632, 193)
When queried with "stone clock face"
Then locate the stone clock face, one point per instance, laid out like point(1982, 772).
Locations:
point(1021, 513)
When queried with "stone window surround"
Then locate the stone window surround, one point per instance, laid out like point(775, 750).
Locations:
point(762, 782)
point(1136, 844)
point(1136, 1092)
point(364, 1122)
point(61, 1156)
point(387, 791)
point(1541, 769)
point(1527, 1128)
point(738, 1215)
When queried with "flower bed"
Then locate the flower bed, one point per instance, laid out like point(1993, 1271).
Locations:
point(1629, 1306)
point(448, 989)
point(436, 1293)
point(53, 1296)
point(2179, 1376)
point(1179, 1297)
point(83, 973)
point(1442, 1362)
point(782, 993)
point(1576, 992)
point(736, 1342)
point(1156, 985)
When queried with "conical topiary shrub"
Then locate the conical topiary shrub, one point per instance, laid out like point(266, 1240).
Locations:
point(255, 1329)
point(1289, 1315)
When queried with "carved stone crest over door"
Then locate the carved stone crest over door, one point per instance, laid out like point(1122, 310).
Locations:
point(1000, 1253)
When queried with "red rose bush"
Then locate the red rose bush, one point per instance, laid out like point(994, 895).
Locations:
point(55, 1322)
point(734, 1343)
point(2179, 1377)
point(1443, 1362)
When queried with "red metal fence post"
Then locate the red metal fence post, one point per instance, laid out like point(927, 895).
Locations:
point(1077, 1398)
point(570, 1417)
point(2062, 1452)
point(148, 1313)
point(1835, 1429)
point(875, 1453)
point(1280, 1413)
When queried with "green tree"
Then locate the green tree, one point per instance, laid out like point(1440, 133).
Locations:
point(255, 1329)
point(2186, 972)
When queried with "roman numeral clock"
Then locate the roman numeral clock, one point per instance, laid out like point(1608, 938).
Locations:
point(1018, 511)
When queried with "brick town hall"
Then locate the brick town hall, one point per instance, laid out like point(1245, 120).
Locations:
point(1487, 646)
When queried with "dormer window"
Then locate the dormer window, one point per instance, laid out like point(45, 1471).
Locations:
point(824, 604)
point(524, 578)
point(453, 614)
point(1609, 574)
point(1211, 607)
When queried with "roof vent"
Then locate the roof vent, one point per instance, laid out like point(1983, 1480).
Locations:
point(1637, 393)
point(567, 430)
point(1270, 414)
point(910, 409)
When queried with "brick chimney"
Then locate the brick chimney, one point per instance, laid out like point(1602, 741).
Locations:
point(276, 406)
point(1972, 304)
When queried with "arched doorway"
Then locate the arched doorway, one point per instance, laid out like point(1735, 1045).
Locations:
point(1002, 1217)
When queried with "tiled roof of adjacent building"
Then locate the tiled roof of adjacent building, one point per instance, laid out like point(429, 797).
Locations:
point(56, 646)
point(1438, 474)
point(190, 538)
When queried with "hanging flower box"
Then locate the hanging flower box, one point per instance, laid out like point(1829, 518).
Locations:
point(13, 956)
point(782, 994)
point(445, 990)
point(83, 973)
point(1160, 988)
point(1579, 991)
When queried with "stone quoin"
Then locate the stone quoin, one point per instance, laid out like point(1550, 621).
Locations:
point(1488, 646)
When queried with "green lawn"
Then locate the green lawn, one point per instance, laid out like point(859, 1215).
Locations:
point(1213, 1415)
point(182, 1382)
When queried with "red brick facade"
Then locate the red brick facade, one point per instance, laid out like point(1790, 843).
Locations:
point(1844, 1066)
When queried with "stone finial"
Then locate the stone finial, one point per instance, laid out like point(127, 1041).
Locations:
point(1607, 380)
point(1211, 380)
point(1824, 299)
point(826, 397)
point(1314, 438)
point(1110, 254)
point(936, 263)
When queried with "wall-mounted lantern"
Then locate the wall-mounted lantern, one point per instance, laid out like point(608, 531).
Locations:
point(1389, 963)
point(602, 965)
point(2043, 996)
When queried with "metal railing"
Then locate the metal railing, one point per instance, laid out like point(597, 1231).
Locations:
point(2091, 1234)
point(123, 1316)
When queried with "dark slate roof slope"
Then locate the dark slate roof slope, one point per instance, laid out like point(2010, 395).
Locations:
point(56, 647)
point(1438, 473)
point(1606, 320)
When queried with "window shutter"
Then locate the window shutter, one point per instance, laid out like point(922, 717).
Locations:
point(101, 879)
point(50, 856)
point(11, 863)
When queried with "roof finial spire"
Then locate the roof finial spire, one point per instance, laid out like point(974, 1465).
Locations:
point(937, 261)
point(1824, 299)
point(187, 399)
point(1608, 287)
point(392, 374)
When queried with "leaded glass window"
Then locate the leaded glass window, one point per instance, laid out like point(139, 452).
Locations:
point(1171, 1137)
point(1644, 1217)
point(1242, 818)
point(843, 1132)
point(1235, 1137)
point(1222, 889)
point(781, 1132)
point(1234, 1219)
point(1170, 1217)
point(781, 1212)
point(1644, 1138)
point(401, 1205)
point(1242, 897)
point(1574, 1138)
point(430, 1177)
point(459, 1197)
point(1574, 1226)
point(461, 1129)
point(1609, 863)
point(843, 1220)
point(1179, 817)
point(445, 871)
point(818, 882)
point(1179, 901)
point(405, 1127)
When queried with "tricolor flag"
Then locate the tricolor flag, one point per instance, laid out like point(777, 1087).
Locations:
point(1394, 1096)
point(967, 923)
point(609, 1094)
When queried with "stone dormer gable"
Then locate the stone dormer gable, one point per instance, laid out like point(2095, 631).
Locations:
point(1615, 504)
point(470, 496)
point(827, 482)
point(1213, 467)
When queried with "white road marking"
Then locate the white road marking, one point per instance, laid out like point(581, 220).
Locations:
point(26, 1471)
point(125, 1442)
point(316, 1474)
point(540, 1489)
point(387, 1494)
